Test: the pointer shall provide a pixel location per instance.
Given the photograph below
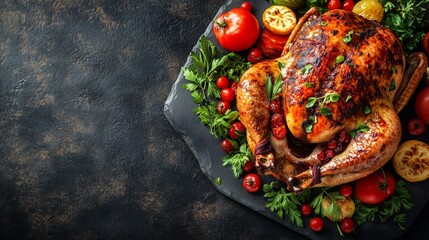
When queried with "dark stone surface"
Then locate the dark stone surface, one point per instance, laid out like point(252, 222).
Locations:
point(86, 151)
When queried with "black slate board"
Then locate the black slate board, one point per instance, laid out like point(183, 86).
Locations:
point(206, 148)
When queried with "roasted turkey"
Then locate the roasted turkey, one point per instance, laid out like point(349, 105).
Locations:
point(340, 75)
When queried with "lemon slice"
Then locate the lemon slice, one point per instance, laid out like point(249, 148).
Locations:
point(369, 9)
point(411, 161)
point(279, 19)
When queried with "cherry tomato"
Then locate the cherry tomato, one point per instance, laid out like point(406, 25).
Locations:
point(334, 4)
point(227, 94)
point(222, 82)
point(416, 127)
point(222, 107)
point(248, 167)
point(252, 182)
point(226, 145)
point(236, 30)
point(347, 225)
point(255, 55)
point(236, 129)
point(306, 209)
point(422, 105)
point(278, 126)
point(375, 188)
point(316, 224)
point(247, 6)
point(234, 87)
point(272, 44)
point(426, 43)
point(346, 190)
point(348, 5)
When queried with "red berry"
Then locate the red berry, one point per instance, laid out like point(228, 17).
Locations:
point(332, 144)
point(236, 129)
point(255, 55)
point(247, 6)
point(348, 5)
point(234, 87)
point(316, 224)
point(226, 145)
point(306, 209)
point(227, 94)
point(321, 156)
point(344, 137)
point(248, 167)
point(347, 225)
point(222, 82)
point(329, 153)
point(222, 107)
point(346, 190)
point(275, 106)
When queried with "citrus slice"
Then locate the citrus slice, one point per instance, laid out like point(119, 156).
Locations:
point(279, 19)
point(369, 9)
point(411, 161)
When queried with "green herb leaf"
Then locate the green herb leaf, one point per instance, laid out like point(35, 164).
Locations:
point(283, 203)
point(323, 24)
point(392, 85)
point(348, 37)
point(325, 111)
point(360, 128)
point(348, 98)
point(367, 110)
point(218, 181)
point(269, 87)
point(340, 59)
point(237, 159)
point(309, 84)
point(311, 101)
point(306, 69)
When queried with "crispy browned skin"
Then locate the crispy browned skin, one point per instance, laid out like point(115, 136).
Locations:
point(368, 77)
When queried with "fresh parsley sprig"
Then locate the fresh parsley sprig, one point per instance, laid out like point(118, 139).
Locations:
point(205, 68)
point(334, 209)
point(283, 203)
point(237, 159)
point(406, 18)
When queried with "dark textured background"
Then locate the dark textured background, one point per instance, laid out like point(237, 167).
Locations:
point(86, 151)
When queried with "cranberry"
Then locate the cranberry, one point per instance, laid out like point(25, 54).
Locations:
point(275, 106)
point(332, 144)
point(344, 137)
point(329, 153)
point(321, 156)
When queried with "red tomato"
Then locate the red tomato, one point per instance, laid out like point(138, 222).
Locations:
point(236, 129)
point(278, 126)
point(306, 209)
point(234, 86)
point(272, 44)
point(422, 105)
point(375, 188)
point(252, 182)
point(255, 55)
point(426, 43)
point(416, 127)
point(316, 224)
point(248, 167)
point(348, 5)
point(347, 225)
point(222, 107)
point(334, 4)
point(346, 190)
point(222, 82)
point(226, 145)
point(236, 30)
point(227, 94)
point(247, 6)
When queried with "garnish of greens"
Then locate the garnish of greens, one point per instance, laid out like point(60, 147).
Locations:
point(284, 203)
point(406, 18)
point(334, 209)
point(202, 73)
point(208, 65)
point(273, 89)
point(393, 208)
